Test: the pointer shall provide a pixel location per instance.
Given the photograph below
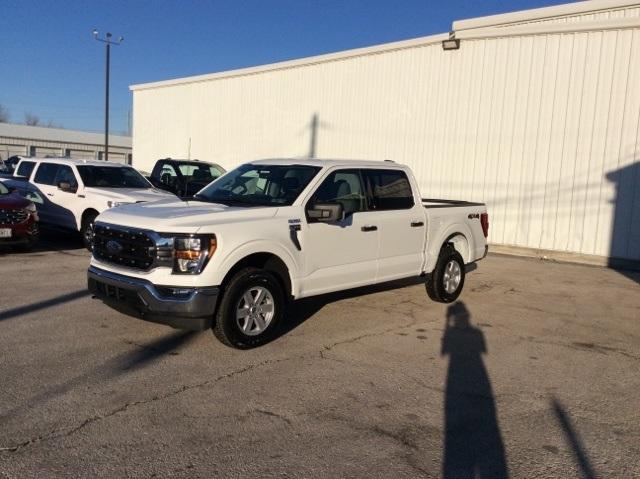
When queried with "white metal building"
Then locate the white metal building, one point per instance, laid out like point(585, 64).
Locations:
point(39, 141)
point(537, 114)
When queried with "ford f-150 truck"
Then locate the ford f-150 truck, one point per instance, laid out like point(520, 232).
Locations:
point(273, 230)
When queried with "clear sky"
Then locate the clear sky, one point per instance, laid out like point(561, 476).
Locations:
point(51, 66)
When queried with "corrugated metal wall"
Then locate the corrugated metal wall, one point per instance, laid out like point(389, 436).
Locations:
point(544, 128)
point(626, 12)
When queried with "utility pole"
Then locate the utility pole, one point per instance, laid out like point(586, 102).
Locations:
point(107, 40)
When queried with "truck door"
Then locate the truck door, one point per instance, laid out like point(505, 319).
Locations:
point(67, 201)
point(43, 181)
point(58, 204)
point(401, 223)
point(341, 254)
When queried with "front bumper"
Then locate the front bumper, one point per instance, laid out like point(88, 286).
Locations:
point(176, 306)
point(22, 234)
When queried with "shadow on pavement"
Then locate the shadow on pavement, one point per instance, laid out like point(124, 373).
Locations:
point(473, 444)
point(149, 353)
point(573, 439)
point(142, 356)
point(301, 310)
point(50, 240)
point(47, 303)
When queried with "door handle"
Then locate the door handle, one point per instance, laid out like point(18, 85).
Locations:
point(49, 194)
point(417, 224)
point(369, 228)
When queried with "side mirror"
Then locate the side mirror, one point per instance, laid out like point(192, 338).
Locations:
point(326, 212)
point(66, 186)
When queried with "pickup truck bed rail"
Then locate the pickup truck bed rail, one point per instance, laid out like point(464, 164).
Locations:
point(438, 203)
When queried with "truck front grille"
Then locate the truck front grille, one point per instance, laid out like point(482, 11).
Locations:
point(125, 247)
point(13, 216)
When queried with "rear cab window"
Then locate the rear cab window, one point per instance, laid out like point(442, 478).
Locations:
point(25, 168)
point(65, 175)
point(389, 189)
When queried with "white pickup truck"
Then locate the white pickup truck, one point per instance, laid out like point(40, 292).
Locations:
point(70, 193)
point(273, 230)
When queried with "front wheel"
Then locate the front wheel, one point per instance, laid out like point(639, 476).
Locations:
point(251, 309)
point(447, 279)
point(87, 230)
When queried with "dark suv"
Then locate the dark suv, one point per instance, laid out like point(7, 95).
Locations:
point(184, 178)
point(18, 220)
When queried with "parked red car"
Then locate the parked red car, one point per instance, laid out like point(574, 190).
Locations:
point(18, 220)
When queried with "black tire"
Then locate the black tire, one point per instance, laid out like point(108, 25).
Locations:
point(436, 282)
point(87, 229)
point(228, 326)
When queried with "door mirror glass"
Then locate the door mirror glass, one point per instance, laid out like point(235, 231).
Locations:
point(66, 186)
point(326, 212)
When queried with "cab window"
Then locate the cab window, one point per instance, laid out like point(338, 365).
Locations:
point(390, 189)
point(168, 174)
point(46, 173)
point(344, 187)
point(65, 174)
point(25, 169)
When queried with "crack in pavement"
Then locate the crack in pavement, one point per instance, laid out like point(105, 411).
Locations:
point(65, 433)
point(274, 414)
point(62, 432)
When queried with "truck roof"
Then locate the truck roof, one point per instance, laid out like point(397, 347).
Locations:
point(73, 161)
point(327, 162)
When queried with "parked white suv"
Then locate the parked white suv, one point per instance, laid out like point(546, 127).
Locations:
point(71, 193)
point(272, 230)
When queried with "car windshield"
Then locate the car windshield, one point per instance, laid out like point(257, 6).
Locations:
point(259, 185)
point(112, 177)
point(3, 190)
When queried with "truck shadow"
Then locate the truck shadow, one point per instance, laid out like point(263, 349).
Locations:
point(299, 311)
point(473, 444)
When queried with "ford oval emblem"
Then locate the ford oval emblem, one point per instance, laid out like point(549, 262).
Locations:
point(113, 247)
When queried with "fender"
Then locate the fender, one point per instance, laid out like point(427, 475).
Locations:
point(259, 246)
point(442, 237)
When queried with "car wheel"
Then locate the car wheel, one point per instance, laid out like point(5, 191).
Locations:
point(447, 279)
point(251, 309)
point(87, 230)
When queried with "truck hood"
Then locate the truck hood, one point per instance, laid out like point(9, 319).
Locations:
point(130, 195)
point(176, 216)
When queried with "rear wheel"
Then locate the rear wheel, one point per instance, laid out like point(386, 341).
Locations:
point(251, 309)
point(447, 279)
point(87, 229)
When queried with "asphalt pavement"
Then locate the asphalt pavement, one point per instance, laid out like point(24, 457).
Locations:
point(534, 372)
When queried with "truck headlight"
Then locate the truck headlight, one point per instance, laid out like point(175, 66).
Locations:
point(192, 253)
point(113, 204)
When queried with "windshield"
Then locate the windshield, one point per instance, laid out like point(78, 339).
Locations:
point(260, 185)
point(3, 190)
point(112, 177)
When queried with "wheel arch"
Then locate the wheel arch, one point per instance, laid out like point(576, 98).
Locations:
point(459, 237)
point(268, 261)
point(461, 244)
point(84, 216)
